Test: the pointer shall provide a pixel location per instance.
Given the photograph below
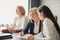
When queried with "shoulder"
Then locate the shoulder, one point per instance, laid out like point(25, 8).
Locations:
point(31, 22)
point(25, 17)
point(15, 18)
point(47, 21)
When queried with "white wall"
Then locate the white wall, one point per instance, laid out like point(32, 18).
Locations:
point(54, 5)
point(8, 10)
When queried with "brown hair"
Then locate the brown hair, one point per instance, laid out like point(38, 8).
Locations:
point(21, 9)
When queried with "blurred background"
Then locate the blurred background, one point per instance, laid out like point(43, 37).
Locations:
point(8, 9)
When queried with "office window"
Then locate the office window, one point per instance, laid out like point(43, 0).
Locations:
point(35, 3)
point(8, 10)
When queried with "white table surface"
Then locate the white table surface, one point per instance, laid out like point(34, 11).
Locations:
point(17, 37)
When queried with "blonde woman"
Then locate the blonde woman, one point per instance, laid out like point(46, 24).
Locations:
point(34, 24)
point(19, 22)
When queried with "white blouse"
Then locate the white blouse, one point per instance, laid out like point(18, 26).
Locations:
point(36, 27)
point(49, 31)
point(20, 23)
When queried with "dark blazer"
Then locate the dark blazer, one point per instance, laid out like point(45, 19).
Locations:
point(30, 26)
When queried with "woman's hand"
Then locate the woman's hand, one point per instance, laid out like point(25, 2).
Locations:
point(31, 37)
point(10, 29)
point(21, 33)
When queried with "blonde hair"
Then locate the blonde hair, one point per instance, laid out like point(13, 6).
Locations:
point(21, 8)
point(33, 9)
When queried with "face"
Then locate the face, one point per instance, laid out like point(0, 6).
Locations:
point(41, 16)
point(33, 15)
point(18, 12)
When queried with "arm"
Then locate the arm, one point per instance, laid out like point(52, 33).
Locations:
point(24, 23)
point(27, 28)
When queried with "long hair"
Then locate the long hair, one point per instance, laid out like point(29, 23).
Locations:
point(31, 10)
point(48, 14)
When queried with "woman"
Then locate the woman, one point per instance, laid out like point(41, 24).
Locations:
point(50, 28)
point(20, 21)
point(34, 23)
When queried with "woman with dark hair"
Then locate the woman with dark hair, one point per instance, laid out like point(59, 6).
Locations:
point(50, 27)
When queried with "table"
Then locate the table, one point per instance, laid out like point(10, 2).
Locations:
point(16, 36)
point(13, 34)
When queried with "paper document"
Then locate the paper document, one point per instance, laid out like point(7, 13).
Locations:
point(4, 34)
point(24, 36)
